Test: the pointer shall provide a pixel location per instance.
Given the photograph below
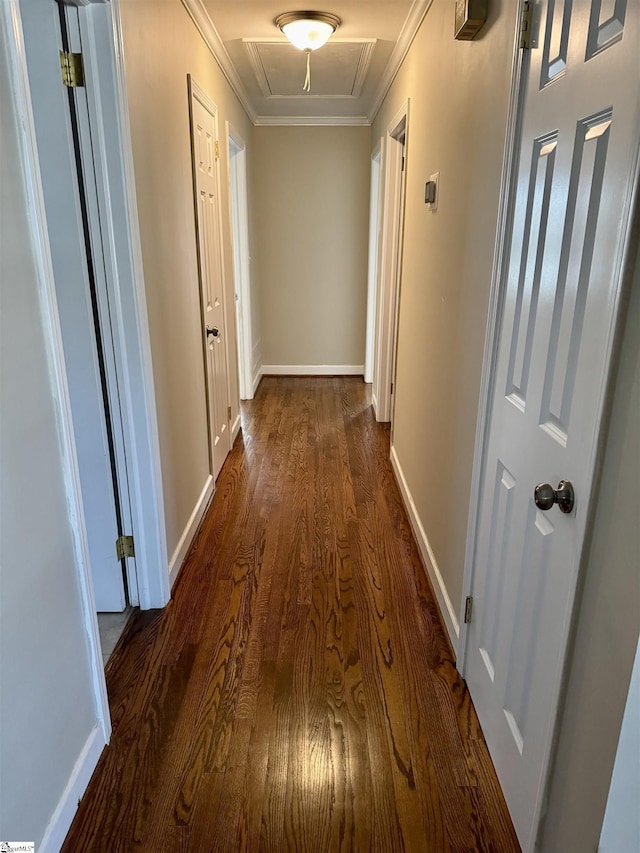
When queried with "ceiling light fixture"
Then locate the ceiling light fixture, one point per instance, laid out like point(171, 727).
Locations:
point(307, 31)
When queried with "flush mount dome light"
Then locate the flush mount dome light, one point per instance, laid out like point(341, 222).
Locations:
point(307, 30)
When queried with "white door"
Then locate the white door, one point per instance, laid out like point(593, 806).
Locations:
point(575, 180)
point(204, 140)
point(78, 264)
point(111, 591)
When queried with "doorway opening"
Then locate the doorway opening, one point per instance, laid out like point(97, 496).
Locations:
point(116, 592)
point(99, 289)
point(241, 262)
point(389, 256)
point(63, 132)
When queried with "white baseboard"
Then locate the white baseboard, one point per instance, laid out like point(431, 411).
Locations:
point(190, 531)
point(257, 376)
point(312, 369)
point(58, 827)
point(374, 403)
point(447, 610)
point(235, 428)
point(257, 364)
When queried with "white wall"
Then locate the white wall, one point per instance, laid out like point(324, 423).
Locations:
point(311, 207)
point(47, 709)
point(161, 46)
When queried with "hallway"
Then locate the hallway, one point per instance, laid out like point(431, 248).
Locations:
point(298, 692)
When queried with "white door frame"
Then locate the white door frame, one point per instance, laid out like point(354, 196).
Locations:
point(122, 244)
point(90, 125)
point(116, 186)
point(53, 342)
point(239, 219)
point(375, 206)
point(390, 258)
point(60, 118)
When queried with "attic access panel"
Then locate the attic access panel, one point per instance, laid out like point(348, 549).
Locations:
point(338, 69)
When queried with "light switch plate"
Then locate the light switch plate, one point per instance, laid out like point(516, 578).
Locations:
point(429, 192)
point(432, 191)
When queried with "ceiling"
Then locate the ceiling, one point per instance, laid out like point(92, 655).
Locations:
point(350, 75)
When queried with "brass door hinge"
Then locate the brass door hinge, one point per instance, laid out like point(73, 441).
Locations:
point(217, 149)
point(72, 69)
point(468, 609)
point(526, 22)
point(229, 413)
point(124, 547)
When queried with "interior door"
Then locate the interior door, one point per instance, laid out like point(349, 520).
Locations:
point(114, 582)
point(204, 140)
point(577, 169)
point(59, 114)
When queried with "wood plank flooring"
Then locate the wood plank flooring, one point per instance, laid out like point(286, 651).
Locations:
point(298, 693)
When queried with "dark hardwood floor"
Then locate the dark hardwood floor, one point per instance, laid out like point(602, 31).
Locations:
point(298, 693)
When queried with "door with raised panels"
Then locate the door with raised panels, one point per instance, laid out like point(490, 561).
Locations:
point(575, 179)
point(206, 178)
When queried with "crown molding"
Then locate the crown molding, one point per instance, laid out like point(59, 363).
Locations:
point(255, 59)
point(209, 33)
point(415, 17)
point(312, 121)
point(363, 67)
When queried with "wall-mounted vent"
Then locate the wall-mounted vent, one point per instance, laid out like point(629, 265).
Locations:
point(471, 16)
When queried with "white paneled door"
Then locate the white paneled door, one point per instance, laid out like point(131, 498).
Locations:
point(575, 178)
point(205, 152)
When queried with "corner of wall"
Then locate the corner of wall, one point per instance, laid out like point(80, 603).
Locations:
point(445, 605)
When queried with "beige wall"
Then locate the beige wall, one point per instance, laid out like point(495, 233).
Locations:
point(458, 97)
point(311, 198)
point(162, 45)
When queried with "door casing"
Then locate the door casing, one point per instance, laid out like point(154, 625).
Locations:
point(104, 67)
point(51, 323)
point(389, 262)
point(79, 33)
point(375, 206)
